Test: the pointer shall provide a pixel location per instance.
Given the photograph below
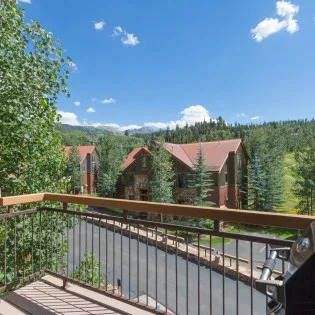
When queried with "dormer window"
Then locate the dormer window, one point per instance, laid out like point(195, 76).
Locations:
point(144, 161)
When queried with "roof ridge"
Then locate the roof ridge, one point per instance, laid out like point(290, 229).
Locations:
point(187, 155)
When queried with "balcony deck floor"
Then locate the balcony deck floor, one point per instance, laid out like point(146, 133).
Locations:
point(47, 297)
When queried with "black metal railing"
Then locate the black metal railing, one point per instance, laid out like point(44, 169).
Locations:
point(164, 267)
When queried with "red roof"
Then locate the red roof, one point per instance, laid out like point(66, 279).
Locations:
point(83, 151)
point(131, 156)
point(215, 152)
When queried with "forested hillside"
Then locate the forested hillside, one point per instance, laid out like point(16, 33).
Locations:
point(281, 169)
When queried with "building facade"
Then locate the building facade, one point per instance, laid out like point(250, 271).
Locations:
point(89, 161)
point(226, 161)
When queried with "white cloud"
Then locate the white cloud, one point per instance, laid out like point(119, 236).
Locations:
point(266, 28)
point(99, 25)
point(77, 103)
point(286, 9)
point(108, 101)
point(26, 1)
point(190, 115)
point(241, 115)
point(68, 118)
point(269, 26)
point(130, 40)
point(255, 117)
point(118, 30)
point(90, 110)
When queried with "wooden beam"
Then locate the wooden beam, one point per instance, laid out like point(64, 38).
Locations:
point(14, 200)
point(228, 215)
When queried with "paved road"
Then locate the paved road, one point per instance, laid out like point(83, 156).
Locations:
point(259, 252)
point(165, 271)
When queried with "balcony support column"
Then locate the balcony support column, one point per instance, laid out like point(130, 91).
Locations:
point(10, 209)
point(218, 225)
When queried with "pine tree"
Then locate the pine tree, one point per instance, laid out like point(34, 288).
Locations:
point(256, 185)
point(265, 185)
point(305, 182)
point(162, 182)
point(201, 181)
point(74, 170)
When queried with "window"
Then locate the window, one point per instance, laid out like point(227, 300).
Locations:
point(144, 161)
point(144, 195)
point(226, 177)
point(130, 179)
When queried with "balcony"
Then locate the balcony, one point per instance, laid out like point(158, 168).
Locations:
point(56, 260)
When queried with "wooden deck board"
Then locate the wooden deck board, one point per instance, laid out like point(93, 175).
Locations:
point(47, 297)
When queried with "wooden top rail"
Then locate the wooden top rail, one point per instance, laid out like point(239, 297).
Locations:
point(228, 215)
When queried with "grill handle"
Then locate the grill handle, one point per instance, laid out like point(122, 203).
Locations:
point(269, 266)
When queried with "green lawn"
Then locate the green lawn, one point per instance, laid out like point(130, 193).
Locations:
point(278, 232)
point(290, 201)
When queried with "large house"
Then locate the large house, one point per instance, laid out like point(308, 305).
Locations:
point(225, 160)
point(88, 166)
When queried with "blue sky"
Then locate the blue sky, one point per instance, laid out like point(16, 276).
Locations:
point(148, 62)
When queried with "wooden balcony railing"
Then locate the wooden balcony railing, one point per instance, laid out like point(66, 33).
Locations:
point(161, 267)
point(273, 219)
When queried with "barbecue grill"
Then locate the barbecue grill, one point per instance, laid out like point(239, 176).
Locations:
point(293, 292)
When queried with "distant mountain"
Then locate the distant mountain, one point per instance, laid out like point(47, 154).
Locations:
point(103, 130)
point(143, 130)
point(87, 129)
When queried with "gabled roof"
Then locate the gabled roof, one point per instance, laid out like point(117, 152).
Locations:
point(84, 150)
point(215, 153)
point(131, 156)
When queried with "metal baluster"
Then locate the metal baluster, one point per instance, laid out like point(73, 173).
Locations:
point(99, 252)
point(121, 258)
point(114, 256)
point(86, 246)
point(237, 279)
point(210, 280)
point(62, 241)
point(67, 222)
point(92, 236)
point(166, 270)
point(32, 259)
point(80, 235)
point(23, 249)
point(15, 267)
point(251, 278)
point(138, 264)
point(176, 272)
point(73, 244)
point(147, 267)
point(156, 271)
point(57, 241)
point(40, 241)
point(198, 274)
point(266, 256)
point(5, 251)
point(106, 253)
point(187, 282)
point(129, 263)
point(51, 240)
point(223, 278)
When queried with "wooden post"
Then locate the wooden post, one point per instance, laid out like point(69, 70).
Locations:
point(218, 224)
point(65, 206)
point(125, 214)
point(10, 209)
